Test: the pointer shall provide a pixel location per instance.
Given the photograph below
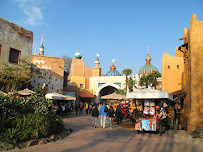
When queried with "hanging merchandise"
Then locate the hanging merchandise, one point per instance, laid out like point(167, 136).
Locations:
point(145, 125)
point(152, 103)
point(146, 110)
point(138, 126)
point(146, 103)
point(152, 111)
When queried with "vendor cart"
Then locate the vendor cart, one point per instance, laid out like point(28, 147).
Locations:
point(150, 114)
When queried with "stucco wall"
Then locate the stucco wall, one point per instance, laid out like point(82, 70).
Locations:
point(77, 67)
point(14, 36)
point(88, 74)
point(196, 68)
point(52, 69)
point(172, 71)
point(76, 81)
point(104, 79)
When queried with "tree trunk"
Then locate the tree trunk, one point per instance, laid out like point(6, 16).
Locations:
point(155, 83)
point(126, 84)
point(146, 84)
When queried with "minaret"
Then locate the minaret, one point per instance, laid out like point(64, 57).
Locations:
point(41, 48)
point(148, 58)
point(96, 72)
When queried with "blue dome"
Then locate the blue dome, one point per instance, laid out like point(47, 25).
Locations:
point(113, 72)
point(77, 55)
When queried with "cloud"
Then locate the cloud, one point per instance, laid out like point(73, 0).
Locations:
point(32, 11)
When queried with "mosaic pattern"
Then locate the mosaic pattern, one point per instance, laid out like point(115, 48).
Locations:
point(113, 73)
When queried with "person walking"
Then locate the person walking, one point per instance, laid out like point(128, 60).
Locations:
point(111, 115)
point(76, 109)
point(81, 107)
point(86, 107)
point(90, 108)
point(118, 114)
point(95, 114)
point(103, 114)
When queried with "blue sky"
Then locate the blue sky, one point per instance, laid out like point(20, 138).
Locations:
point(116, 29)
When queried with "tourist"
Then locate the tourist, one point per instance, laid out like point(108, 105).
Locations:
point(86, 108)
point(76, 109)
point(81, 107)
point(95, 114)
point(103, 114)
point(111, 115)
point(90, 108)
point(118, 114)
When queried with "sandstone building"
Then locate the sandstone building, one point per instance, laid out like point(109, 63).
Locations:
point(187, 72)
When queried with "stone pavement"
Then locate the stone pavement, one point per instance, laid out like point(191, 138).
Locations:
point(84, 138)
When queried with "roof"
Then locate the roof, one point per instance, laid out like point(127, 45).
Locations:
point(26, 92)
point(149, 94)
point(84, 94)
point(112, 73)
point(147, 69)
point(178, 92)
point(114, 96)
point(58, 96)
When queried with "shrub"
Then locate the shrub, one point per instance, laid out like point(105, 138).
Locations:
point(28, 118)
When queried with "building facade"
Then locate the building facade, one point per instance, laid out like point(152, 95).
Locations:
point(192, 75)
point(15, 44)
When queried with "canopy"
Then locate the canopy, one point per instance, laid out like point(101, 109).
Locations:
point(26, 92)
point(114, 96)
point(149, 94)
point(58, 96)
point(84, 94)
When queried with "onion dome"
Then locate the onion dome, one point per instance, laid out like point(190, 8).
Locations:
point(147, 68)
point(112, 71)
point(78, 55)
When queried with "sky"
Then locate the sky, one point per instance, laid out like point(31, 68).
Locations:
point(115, 29)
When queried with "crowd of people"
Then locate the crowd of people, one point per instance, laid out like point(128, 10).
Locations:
point(103, 111)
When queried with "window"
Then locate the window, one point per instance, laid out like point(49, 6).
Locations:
point(178, 66)
point(81, 85)
point(0, 50)
point(169, 67)
point(14, 56)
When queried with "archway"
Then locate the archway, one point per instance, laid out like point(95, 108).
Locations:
point(105, 91)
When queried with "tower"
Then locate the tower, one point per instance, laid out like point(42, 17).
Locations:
point(96, 72)
point(41, 48)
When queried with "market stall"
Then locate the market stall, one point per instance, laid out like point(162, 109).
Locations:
point(150, 112)
point(61, 102)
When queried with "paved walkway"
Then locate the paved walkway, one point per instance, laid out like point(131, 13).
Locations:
point(87, 139)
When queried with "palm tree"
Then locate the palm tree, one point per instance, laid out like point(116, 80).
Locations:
point(126, 72)
point(155, 75)
point(131, 84)
point(145, 80)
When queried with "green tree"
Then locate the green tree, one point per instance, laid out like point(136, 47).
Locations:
point(131, 84)
point(14, 77)
point(145, 80)
point(120, 91)
point(155, 75)
point(126, 72)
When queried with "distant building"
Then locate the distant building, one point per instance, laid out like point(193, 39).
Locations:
point(92, 85)
point(15, 44)
point(147, 69)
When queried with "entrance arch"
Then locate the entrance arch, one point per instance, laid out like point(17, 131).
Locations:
point(106, 89)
